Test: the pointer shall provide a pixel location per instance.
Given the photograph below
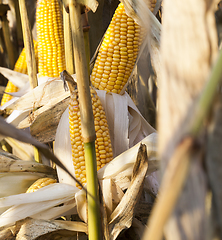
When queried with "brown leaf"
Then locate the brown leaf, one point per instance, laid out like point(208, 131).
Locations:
point(122, 216)
point(33, 229)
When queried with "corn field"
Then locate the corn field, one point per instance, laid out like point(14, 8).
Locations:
point(110, 119)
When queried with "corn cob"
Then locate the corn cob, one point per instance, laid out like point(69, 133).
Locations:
point(20, 66)
point(102, 144)
point(50, 38)
point(118, 53)
point(40, 183)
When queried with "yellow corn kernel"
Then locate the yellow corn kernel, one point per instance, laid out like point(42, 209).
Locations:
point(50, 37)
point(40, 183)
point(102, 140)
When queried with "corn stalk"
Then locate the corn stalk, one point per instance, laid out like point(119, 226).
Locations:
point(186, 65)
point(30, 55)
point(6, 33)
point(87, 120)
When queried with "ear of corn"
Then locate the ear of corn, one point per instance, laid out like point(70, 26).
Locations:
point(118, 53)
point(50, 38)
point(40, 183)
point(20, 66)
point(103, 146)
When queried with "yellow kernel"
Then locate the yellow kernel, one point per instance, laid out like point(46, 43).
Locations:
point(106, 76)
point(115, 63)
point(97, 80)
point(108, 68)
point(113, 75)
point(104, 80)
point(115, 91)
point(110, 50)
point(100, 71)
point(117, 86)
point(122, 63)
point(121, 67)
point(101, 147)
point(116, 55)
point(114, 67)
point(102, 151)
point(118, 82)
point(112, 79)
point(97, 128)
point(111, 83)
point(116, 59)
point(123, 41)
point(114, 71)
point(99, 139)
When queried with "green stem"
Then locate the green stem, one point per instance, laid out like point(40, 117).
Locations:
point(94, 220)
point(87, 121)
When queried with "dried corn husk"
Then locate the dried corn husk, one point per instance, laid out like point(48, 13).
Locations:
point(18, 79)
point(49, 92)
point(23, 151)
point(30, 204)
point(33, 229)
point(43, 204)
point(17, 175)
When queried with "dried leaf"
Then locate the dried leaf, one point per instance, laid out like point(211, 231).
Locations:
point(106, 187)
point(29, 204)
point(122, 216)
point(50, 92)
point(23, 151)
point(43, 112)
point(128, 158)
point(41, 229)
point(45, 125)
point(18, 79)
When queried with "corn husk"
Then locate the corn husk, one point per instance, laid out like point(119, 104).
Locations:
point(33, 229)
point(126, 124)
point(23, 151)
point(17, 175)
point(28, 204)
point(18, 79)
point(49, 92)
point(43, 204)
point(45, 103)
